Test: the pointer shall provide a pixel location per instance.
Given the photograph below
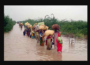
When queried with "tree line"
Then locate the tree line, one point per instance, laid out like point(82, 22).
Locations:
point(8, 23)
point(74, 28)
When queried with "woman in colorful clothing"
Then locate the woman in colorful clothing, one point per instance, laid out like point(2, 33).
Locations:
point(21, 27)
point(40, 37)
point(37, 36)
point(35, 32)
point(56, 28)
point(52, 43)
point(45, 40)
point(29, 32)
point(43, 31)
point(48, 42)
point(24, 32)
point(59, 42)
point(54, 40)
point(32, 34)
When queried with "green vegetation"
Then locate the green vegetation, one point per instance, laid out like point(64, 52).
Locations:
point(8, 23)
point(75, 28)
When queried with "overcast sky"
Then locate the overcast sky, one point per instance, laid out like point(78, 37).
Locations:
point(20, 13)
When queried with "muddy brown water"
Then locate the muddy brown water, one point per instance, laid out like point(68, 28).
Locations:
point(22, 48)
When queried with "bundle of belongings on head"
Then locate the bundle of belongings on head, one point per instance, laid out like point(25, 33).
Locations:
point(55, 27)
point(20, 24)
point(28, 25)
point(49, 32)
point(43, 27)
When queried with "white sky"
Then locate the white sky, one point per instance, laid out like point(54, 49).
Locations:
point(20, 13)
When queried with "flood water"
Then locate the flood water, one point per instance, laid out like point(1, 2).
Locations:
point(18, 47)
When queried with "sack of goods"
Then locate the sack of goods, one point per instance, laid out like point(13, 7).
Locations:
point(34, 26)
point(49, 32)
point(40, 23)
point(26, 23)
point(42, 27)
point(21, 24)
point(55, 26)
point(30, 26)
point(46, 27)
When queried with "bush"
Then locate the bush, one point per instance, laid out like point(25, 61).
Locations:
point(8, 23)
point(78, 28)
point(80, 35)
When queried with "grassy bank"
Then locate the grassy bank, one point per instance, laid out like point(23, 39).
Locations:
point(68, 28)
point(8, 23)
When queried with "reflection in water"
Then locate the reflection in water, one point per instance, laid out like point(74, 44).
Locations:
point(19, 47)
point(59, 56)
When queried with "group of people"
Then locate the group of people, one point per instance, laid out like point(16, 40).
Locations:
point(49, 40)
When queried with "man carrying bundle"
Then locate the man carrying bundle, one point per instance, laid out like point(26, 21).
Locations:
point(49, 34)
